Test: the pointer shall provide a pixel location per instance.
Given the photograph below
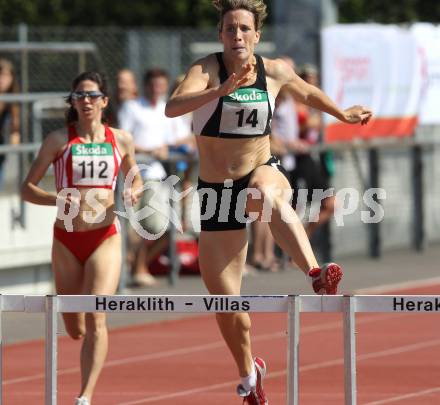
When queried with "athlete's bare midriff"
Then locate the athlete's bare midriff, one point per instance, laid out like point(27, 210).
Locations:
point(96, 206)
point(88, 213)
point(222, 158)
point(230, 158)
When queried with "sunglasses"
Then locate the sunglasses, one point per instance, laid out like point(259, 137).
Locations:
point(81, 95)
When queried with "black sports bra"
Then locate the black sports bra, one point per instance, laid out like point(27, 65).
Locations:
point(245, 113)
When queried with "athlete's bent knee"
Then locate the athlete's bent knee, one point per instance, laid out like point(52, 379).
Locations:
point(75, 332)
point(74, 326)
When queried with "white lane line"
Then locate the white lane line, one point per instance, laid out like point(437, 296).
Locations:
point(405, 396)
point(194, 349)
point(276, 374)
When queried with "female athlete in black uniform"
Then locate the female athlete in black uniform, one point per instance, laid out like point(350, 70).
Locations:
point(231, 95)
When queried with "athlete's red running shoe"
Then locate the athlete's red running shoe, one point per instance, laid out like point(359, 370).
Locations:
point(256, 396)
point(325, 280)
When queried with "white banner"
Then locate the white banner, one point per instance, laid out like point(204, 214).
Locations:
point(377, 66)
point(428, 41)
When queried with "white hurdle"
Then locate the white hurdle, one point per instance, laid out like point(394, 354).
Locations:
point(293, 305)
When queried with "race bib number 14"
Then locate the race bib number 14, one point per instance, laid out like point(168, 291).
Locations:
point(245, 112)
point(93, 164)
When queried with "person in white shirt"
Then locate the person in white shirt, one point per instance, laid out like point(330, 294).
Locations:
point(183, 144)
point(126, 86)
point(152, 132)
point(283, 141)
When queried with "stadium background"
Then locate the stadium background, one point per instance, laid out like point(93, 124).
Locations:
point(294, 29)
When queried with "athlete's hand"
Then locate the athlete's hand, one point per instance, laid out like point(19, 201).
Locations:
point(356, 114)
point(236, 80)
point(132, 196)
point(71, 202)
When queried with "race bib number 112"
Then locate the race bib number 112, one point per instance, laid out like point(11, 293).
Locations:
point(92, 164)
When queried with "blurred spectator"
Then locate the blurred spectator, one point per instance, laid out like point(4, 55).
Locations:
point(263, 247)
point(284, 141)
point(126, 86)
point(125, 89)
point(182, 126)
point(309, 172)
point(152, 132)
point(9, 113)
point(183, 143)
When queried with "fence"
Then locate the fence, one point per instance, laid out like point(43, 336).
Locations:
point(293, 305)
point(140, 48)
point(405, 170)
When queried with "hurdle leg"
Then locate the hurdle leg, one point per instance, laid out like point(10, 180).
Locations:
point(349, 350)
point(292, 350)
point(51, 350)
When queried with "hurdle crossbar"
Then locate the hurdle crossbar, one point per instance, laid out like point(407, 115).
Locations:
point(293, 305)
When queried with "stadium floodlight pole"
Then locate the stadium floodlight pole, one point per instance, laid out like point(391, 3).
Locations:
point(329, 13)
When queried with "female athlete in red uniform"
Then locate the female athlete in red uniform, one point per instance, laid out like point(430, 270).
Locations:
point(86, 250)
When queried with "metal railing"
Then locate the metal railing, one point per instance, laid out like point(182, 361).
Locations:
point(293, 305)
point(371, 173)
point(20, 214)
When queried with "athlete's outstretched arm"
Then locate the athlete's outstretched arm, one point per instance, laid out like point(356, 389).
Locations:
point(47, 154)
point(133, 187)
point(194, 90)
point(316, 98)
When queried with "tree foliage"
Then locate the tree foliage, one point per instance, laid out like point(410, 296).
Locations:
point(193, 13)
point(129, 13)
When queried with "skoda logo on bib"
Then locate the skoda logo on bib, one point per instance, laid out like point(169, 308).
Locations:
point(245, 112)
point(93, 164)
